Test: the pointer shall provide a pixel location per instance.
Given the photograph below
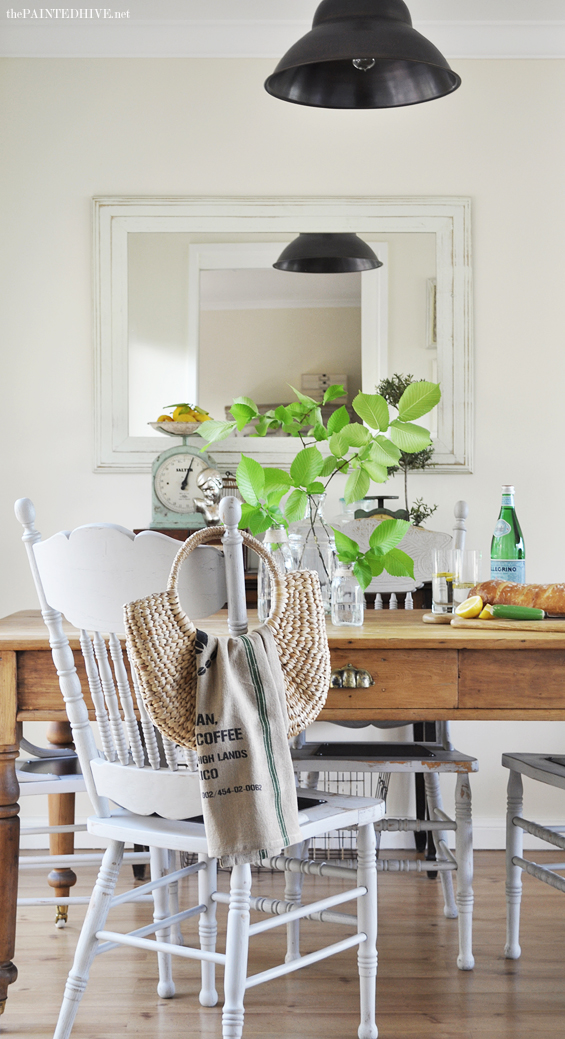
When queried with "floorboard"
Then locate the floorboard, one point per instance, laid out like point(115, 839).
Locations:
point(421, 994)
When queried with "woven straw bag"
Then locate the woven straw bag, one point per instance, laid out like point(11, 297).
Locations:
point(162, 646)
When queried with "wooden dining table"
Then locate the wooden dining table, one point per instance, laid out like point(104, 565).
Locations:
point(417, 671)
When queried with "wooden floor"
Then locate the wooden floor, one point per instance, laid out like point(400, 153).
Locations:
point(420, 991)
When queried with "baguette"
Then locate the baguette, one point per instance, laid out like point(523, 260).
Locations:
point(548, 597)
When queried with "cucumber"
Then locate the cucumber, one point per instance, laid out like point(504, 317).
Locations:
point(518, 613)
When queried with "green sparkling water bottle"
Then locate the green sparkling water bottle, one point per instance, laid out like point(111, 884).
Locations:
point(507, 550)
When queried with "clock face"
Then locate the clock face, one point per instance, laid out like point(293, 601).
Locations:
point(176, 481)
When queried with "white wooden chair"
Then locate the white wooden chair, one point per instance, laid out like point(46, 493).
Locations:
point(379, 760)
point(87, 575)
point(543, 768)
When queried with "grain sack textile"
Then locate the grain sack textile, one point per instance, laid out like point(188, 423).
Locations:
point(246, 774)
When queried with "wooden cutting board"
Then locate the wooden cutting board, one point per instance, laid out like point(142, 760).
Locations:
point(508, 625)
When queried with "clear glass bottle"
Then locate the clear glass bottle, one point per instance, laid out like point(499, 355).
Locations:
point(277, 544)
point(313, 547)
point(507, 550)
point(347, 596)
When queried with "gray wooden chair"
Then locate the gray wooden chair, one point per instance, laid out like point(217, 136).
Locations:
point(542, 768)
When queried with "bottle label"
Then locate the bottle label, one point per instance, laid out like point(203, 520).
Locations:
point(502, 528)
point(508, 570)
point(508, 499)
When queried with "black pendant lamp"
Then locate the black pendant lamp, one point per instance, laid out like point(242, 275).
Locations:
point(362, 54)
point(327, 253)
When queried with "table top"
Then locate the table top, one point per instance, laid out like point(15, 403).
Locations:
point(382, 629)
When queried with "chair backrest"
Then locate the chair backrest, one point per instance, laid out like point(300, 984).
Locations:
point(419, 544)
point(86, 576)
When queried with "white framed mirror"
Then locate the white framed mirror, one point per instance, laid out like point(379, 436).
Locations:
point(163, 266)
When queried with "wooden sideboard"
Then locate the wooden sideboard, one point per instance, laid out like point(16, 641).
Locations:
point(420, 672)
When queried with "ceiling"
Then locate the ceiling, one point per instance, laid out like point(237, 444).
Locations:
point(266, 28)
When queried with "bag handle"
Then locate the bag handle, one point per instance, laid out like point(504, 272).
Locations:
point(200, 537)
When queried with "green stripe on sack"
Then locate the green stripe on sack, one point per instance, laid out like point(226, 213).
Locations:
point(266, 729)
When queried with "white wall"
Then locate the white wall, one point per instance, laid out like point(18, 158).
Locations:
point(74, 128)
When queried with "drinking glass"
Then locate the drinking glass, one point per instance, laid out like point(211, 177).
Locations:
point(467, 574)
point(443, 572)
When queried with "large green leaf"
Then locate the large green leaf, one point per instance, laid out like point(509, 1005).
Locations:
point(250, 479)
point(355, 435)
point(214, 430)
point(398, 563)
point(388, 534)
point(418, 399)
point(338, 445)
point(347, 549)
point(306, 466)
point(338, 419)
point(384, 452)
point(333, 393)
point(330, 463)
point(252, 516)
point(363, 572)
point(378, 473)
point(277, 483)
point(242, 414)
point(248, 403)
point(409, 437)
point(304, 399)
point(373, 409)
point(295, 506)
point(376, 562)
point(357, 485)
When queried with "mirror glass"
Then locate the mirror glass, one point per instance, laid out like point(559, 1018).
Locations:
point(189, 308)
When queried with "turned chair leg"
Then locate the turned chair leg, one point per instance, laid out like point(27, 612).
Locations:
point(293, 893)
point(434, 798)
point(237, 942)
point(367, 922)
point(514, 847)
point(464, 856)
point(160, 868)
point(208, 928)
point(98, 909)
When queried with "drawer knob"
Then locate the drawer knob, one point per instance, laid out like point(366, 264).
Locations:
point(350, 677)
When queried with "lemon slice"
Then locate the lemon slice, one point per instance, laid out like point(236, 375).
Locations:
point(470, 608)
point(487, 614)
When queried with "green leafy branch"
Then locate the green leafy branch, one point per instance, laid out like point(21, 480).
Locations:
point(364, 451)
point(382, 553)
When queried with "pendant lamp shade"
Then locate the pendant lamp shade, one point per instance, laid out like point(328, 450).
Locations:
point(362, 54)
point(327, 253)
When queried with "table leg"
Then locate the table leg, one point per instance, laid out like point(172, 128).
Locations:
point(61, 813)
point(9, 822)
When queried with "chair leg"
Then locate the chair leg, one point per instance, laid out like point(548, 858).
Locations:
point(95, 919)
point(176, 933)
point(367, 922)
point(208, 929)
point(160, 868)
point(237, 944)
point(464, 855)
point(514, 846)
point(433, 794)
point(293, 893)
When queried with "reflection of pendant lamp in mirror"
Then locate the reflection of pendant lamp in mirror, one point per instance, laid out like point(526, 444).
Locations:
point(327, 253)
point(362, 54)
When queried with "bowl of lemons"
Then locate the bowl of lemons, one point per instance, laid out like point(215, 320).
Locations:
point(184, 420)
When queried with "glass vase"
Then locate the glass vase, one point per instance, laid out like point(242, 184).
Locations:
point(348, 601)
point(277, 545)
point(313, 547)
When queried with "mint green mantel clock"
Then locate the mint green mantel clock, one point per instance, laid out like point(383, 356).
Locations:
point(174, 481)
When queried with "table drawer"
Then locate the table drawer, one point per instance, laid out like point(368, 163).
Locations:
point(512, 679)
point(403, 680)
